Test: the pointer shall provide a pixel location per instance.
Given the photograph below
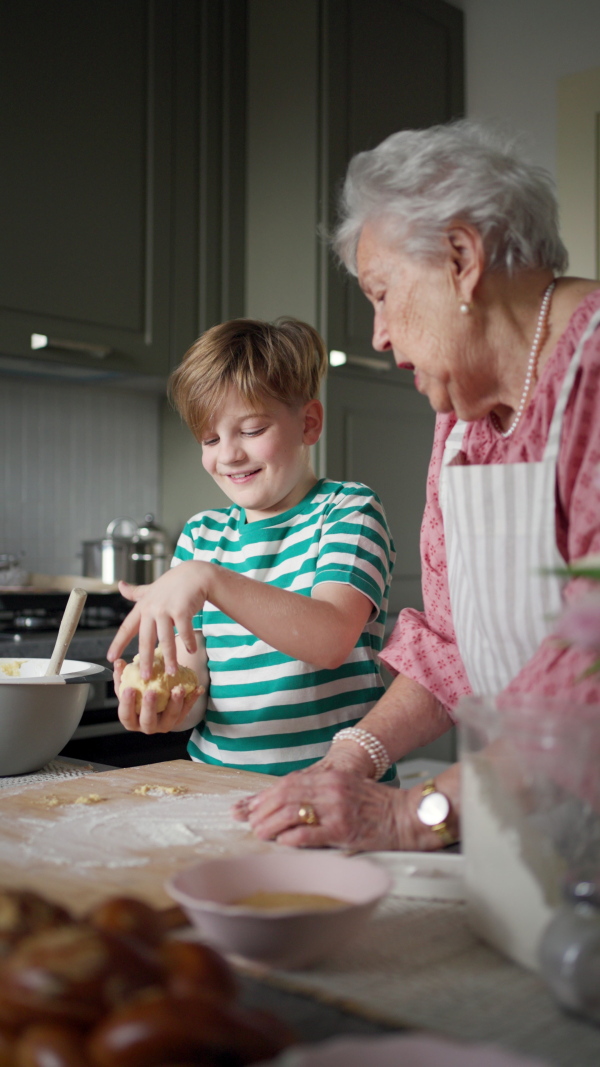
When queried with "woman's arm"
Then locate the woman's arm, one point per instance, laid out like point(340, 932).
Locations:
point(406, 717)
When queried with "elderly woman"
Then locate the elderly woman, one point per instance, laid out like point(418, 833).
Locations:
point(454, 241)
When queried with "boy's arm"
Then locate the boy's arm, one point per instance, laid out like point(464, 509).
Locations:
point(198, 661)
point(321, 629)
point(181, 713)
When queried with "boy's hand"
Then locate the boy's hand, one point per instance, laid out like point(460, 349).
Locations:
point(147, 719)
point(172, 600)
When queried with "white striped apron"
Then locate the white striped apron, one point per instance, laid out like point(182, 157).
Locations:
point(500, 532)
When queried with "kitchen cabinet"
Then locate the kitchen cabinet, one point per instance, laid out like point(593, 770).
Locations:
point(380, 432)
point(121, 190)
point(389, 65)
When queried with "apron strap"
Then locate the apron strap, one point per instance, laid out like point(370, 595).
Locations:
point(454, 442)
point(451, 449)
point(553, 443)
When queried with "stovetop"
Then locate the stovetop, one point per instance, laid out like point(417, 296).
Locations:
point(29, 614)
point(88, 645)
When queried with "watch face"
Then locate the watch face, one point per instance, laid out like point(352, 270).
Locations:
point(433, 809)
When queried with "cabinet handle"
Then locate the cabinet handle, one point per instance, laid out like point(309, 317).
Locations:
point(41, 340)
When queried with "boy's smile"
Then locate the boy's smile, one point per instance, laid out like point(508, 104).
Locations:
point(260, 457)
point(240, 479)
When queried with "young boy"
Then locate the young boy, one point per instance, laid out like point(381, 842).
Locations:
point(288, 586)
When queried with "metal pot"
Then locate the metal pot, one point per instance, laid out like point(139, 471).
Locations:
point(152, 551)
point(12, 571)
point(128, 552)
point(110, 558)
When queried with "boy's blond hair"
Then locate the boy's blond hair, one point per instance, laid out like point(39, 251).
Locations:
point(286, 360)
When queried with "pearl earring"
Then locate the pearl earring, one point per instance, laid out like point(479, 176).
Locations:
point(464, 308)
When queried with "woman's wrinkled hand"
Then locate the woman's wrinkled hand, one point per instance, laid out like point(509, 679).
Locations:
point(353, 812)
point(144, 718)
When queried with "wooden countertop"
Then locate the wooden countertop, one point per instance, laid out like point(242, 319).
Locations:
point(126, 842)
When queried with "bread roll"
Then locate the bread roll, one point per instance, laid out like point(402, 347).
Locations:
point(163, 1028)
point(195, 968)
point(24, 912)
point(50, 1046)
point(129, 918)
point(72, 974)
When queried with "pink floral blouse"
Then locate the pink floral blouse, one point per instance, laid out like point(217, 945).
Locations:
point(422, 644)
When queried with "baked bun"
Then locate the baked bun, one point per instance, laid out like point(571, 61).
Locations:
point(130, 919)
point(163, 1028)
point(23, 912)
point(72, 974)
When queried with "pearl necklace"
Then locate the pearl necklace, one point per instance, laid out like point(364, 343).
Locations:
point(531, 365)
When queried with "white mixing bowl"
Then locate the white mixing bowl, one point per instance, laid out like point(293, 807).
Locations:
point(38, 715)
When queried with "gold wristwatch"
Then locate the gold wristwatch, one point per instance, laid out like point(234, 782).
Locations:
point(433, 811)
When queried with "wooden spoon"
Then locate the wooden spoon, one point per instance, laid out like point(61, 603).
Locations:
point(68, 625)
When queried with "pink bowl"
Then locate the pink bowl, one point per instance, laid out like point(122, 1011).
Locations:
point(291, 938)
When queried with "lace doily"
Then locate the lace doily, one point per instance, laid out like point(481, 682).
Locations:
point(56, 768)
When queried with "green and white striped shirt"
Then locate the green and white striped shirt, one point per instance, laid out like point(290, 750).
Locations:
point(266, 711)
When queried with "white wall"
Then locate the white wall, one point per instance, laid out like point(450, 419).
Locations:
point(516, 50)
point(72, 458)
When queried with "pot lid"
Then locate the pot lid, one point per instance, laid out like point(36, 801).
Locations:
point(121, 528)
point(149, 531)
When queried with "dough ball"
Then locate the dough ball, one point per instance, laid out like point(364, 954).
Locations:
point(159, 681)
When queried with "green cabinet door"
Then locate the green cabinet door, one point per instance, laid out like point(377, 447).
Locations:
point(107, 128)
point(389, 65)
point(86, 143)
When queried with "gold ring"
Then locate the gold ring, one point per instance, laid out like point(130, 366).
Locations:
point(308, 815)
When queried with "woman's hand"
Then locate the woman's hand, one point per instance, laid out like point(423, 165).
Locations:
point(344, 756)
point(353, 812)
point(171, 601)
point(146, 719)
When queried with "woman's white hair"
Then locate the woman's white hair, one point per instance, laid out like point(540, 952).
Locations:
point(422, 181)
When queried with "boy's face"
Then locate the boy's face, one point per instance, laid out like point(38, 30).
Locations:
point(260, 458)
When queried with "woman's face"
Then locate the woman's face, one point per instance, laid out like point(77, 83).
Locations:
point(417, 316)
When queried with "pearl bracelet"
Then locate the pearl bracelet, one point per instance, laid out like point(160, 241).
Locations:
point(370, 743)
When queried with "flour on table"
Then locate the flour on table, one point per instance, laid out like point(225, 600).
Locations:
point(120, 835)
